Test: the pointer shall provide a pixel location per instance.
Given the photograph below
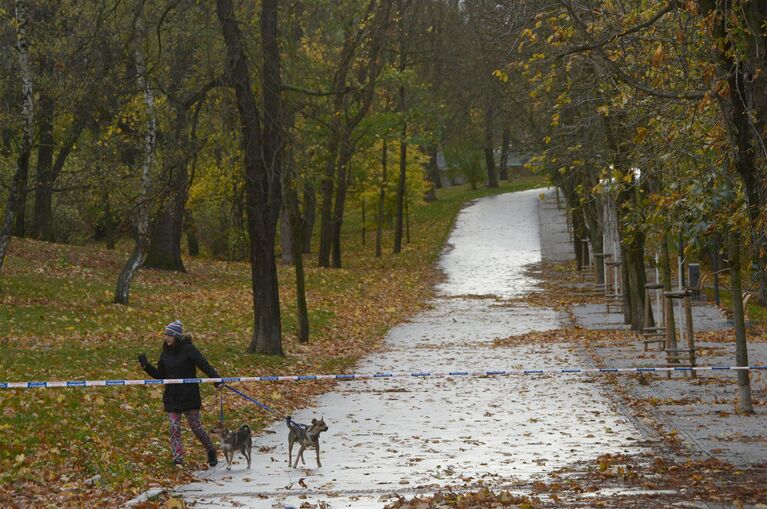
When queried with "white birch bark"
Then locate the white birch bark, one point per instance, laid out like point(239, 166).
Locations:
point(22, 45)
point(140, 251)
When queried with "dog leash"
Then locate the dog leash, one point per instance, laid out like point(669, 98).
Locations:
point(287, 418)
point(252, 400)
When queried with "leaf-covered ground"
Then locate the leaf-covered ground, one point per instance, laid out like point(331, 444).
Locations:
point(100, 446)
point(703, 478)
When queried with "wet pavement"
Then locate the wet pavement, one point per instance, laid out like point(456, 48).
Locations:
point(704, 411)
point(408, 435)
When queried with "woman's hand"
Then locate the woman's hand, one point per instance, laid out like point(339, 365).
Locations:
point(142, 359)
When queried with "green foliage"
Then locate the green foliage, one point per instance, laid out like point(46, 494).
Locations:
point(465, 161)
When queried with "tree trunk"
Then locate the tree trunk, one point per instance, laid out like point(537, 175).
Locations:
point(165, 244)
point(744, 108)
point(634, 261)
point(326, 207)
point(19, 227)
point(286, 235)
point(310, 208)
point(505, 140)
point(738, 315)
point(590, 216)
point(267, 330)
point(22, 164)
point(192, 240)
point(302, 311)
point(42, 223)
point(364, 230)
point(432, 175)
point(381, 197)
point(140, 251)
point(344, 161)
point(665, 276)
point(109, 223)
point(262, 181)
point(295, 228)
point(167, 230)
point(407, 218)
point(492, 176)
point(579, 233)
point(398, 225)
point(434, 167)
point(401, 108)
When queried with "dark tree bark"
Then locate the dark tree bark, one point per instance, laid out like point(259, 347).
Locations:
point(310, 208)
point(492, 176)
point(744, 107)
point(745, 404)
point(192, 240)
point(368, 75)
point(181, 150)
point(579, 233)
point(665, 276)
point(381, 197)
point(434, 168)
point(295, 228)
point(431, 173)
point(401, 183)
point(262, 179)
point(505, 140)
point(42, 223)
point(352, 41)
point(167, 229)
point(634, 262)
point(286, 234)
point(165, 245)
point(364, 230)
point(344, 161)
point(108, 221)
point(269, 339)
point(401, 108)
point(20, 224)
point(326, 192)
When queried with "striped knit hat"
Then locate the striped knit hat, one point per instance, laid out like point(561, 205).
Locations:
point(174, 329)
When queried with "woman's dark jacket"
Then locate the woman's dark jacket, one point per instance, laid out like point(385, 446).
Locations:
point(181, 361)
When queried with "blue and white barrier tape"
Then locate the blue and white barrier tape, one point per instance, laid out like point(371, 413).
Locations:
point(367, 376)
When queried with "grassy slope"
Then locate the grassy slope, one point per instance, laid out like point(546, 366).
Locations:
point(57, 322)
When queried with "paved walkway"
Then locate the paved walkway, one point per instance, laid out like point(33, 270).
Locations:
point(410, 436)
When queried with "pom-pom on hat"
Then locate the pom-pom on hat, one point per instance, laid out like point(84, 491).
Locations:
point(174, 329)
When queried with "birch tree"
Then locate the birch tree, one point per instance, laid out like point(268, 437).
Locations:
point(21, 13)
point(141, 248)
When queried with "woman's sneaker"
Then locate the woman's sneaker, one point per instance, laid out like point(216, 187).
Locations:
point(212, 459)
point(178, 463)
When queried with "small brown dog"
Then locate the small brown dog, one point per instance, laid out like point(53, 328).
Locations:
point(234, 441)
point(306, 436)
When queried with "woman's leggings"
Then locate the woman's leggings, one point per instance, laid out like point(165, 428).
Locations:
point(193, 418)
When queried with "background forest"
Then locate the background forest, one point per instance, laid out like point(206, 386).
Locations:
point(284, 165)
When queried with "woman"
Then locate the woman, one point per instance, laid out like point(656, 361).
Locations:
point(180, 359)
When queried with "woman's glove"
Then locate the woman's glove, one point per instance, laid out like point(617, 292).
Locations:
point(142, 359)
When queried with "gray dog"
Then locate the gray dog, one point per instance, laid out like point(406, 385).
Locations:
point(234, 441)
point(306, 436)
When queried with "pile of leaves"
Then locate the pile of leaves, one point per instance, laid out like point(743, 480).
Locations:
point(483, 498)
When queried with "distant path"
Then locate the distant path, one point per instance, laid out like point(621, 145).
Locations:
point(408, 435)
